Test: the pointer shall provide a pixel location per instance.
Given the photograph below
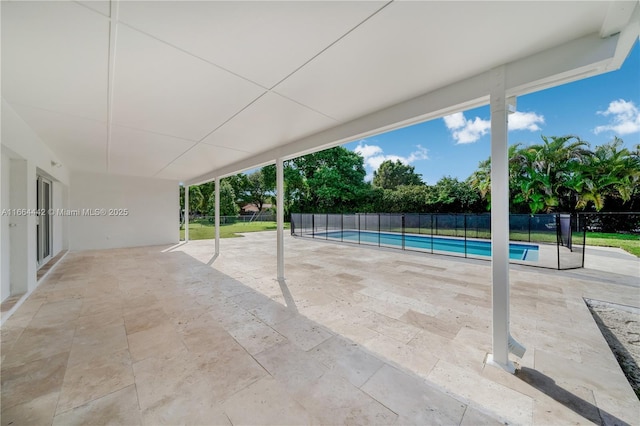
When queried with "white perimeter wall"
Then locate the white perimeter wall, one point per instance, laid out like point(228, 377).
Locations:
point(153, 211)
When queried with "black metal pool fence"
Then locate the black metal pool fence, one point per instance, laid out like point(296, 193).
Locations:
point(558, 238)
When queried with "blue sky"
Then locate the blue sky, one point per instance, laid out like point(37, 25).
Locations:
point(595, 109)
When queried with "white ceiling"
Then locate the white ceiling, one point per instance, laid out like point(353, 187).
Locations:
point(201, 86)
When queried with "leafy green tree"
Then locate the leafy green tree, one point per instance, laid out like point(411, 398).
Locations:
point(206, 189)
point(228, 205)
point(407, 198)
point(334, 180)
point(196, 200)
point(480, 180)
point(391, 175)
point(451, 195)
point(239, 182)
point(258, 188)
point(295, 186)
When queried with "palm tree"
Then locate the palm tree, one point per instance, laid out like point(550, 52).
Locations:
point(539, 172)
point(561, 173)
point(611, 171)
point(480, 180)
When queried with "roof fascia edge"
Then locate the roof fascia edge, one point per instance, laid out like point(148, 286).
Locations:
point(574, 60)
point(627, 38)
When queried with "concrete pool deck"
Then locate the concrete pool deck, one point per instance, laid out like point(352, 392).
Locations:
point(354, 335)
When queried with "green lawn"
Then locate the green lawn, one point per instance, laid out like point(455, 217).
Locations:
point(206, 231)
point(627, 242)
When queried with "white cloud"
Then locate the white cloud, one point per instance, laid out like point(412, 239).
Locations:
point(466, 131)
point(469, 131)
point(419, 154)
point(367, 150)
point(525, 121)
point(455, 121)
point(374, 156)
point(625, 118)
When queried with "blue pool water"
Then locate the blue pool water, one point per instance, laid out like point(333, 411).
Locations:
point(426, 242)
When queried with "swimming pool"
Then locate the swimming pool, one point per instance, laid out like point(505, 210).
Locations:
point(426, 242)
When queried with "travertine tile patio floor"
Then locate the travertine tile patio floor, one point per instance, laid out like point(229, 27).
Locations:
point(355, 335)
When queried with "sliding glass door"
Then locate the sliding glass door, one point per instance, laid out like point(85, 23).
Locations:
point(43, 223)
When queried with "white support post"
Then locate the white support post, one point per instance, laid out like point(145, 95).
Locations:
point(280, 215)
point(186, 213)
point(217, 213)
point(500, 225)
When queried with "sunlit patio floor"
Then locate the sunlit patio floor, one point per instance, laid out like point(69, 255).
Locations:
point(354, 335)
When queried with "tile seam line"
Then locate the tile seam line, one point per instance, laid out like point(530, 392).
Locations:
point(66, 368)
point(29, 293)
point(56, 414)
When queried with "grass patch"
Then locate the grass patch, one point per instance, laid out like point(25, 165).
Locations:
point(206, 231)
point(627, 242)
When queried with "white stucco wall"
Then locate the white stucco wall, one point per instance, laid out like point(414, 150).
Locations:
point(58, 221)
point(23, 141)
point(4, 222)
point(152, 218)
point(24, 156)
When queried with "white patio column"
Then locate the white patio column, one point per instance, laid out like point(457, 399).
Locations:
point(500, 225)
point(186, 213)
point(280, 215)
point(217, 214)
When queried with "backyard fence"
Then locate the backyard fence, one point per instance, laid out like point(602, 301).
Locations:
point(545, 240)
point(614, 223)
point(209, 220)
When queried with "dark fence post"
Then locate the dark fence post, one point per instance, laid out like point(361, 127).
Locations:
point(432, 231)
point(359, 228)
point(326, 227)
point(403, 231)
point(584, 239)
point(378, 229)
point(313, 225)
point(558, 238)
point(342, 227)
point(465, 235)
point(436, 227)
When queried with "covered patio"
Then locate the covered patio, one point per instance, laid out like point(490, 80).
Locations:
point(355, 335)
point(109, 106)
